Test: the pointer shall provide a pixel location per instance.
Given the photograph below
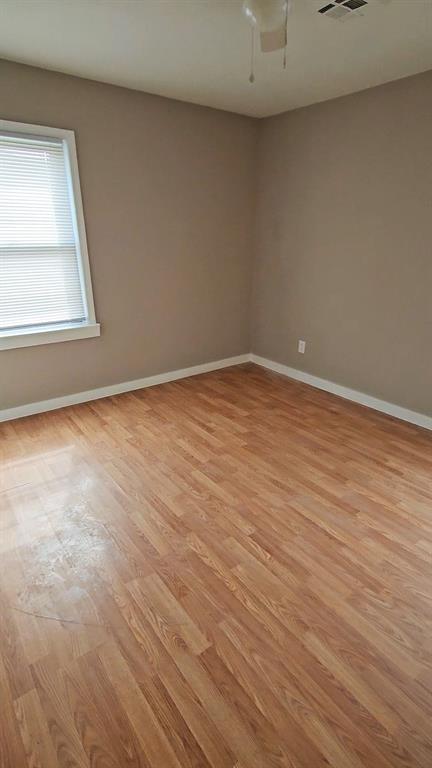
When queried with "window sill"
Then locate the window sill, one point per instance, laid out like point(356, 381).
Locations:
point(34, 337)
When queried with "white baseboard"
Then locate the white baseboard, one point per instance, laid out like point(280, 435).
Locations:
point(116, 389)
point(390, 409)
point(397, 411)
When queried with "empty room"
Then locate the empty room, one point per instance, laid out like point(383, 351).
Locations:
point(215, 384)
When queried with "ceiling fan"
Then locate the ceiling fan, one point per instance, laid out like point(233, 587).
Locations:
point(269, 19)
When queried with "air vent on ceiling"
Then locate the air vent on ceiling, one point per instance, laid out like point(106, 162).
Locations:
point(342, 9)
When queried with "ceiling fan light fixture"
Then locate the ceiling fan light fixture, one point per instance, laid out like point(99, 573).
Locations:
point(269, 19)
point(266, 15)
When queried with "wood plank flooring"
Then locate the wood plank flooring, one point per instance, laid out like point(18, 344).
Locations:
point(231, 570)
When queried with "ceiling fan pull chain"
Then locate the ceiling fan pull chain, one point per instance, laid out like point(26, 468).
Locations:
point(286, 36)
point(252, 75)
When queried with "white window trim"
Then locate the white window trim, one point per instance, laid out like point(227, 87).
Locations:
point(34, 336)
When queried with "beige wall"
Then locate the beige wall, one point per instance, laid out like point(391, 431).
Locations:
point(342, 228)
point(344, 241)
point(167, 190)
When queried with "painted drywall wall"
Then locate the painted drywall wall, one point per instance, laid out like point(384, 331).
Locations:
point(337, 208)
point(344, 241)
point(167, 191)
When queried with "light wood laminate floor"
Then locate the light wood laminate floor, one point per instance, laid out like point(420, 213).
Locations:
point(230, 570)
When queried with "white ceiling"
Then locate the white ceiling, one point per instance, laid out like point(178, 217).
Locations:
point(199, 50)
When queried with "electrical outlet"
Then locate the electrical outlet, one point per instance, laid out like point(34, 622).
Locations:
point(301, 346)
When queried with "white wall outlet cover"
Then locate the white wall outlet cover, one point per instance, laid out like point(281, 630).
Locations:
point(302, 346)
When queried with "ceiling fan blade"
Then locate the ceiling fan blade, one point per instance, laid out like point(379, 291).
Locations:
point(273, 39)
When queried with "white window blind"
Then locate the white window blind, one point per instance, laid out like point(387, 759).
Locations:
point(40, 268)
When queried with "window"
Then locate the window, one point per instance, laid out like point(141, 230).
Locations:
point(45, 286)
